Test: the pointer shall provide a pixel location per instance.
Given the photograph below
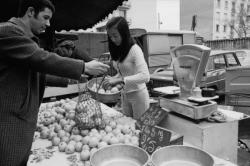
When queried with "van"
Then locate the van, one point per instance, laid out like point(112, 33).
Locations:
point(156, 45)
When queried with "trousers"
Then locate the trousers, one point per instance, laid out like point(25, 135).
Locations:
point(134, 104)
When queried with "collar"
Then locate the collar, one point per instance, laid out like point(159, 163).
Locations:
point(20, 23)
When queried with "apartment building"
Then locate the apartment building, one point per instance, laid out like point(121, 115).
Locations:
point(151, 15)
point(215, 19)
point(154, 15)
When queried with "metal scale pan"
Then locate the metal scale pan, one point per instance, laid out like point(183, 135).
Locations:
point(181, 156)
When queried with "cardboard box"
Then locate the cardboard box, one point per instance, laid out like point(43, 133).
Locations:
point(219, 139)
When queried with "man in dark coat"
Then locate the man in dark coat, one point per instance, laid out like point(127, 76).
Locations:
point(23, 65)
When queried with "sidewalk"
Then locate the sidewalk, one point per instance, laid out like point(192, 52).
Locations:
point(243, 158)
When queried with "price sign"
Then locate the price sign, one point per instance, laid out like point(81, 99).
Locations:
point(153, 137)
point(152, 116)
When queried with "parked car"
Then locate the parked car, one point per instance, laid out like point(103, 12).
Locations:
point(218, 62)
point(214, 76)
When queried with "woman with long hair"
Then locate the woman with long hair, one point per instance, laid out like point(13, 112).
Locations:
point(132, 70)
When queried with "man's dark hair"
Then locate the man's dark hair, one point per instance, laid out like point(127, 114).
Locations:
point(38, 5)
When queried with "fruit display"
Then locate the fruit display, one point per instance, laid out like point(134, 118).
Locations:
point(56, 122)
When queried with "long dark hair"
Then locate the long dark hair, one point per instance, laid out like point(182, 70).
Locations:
point(119, 53)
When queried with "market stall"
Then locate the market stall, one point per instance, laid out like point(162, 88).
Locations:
point(69, 132)
point(170, 121)
point(47, 151)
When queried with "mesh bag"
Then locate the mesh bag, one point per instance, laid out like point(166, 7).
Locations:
point(88, 110)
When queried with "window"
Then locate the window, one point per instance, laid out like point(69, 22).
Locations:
point(122, 13)
point(219, 62)
point(226, 5)
point(233, 7)
point(231, 60)
point(241, 55)
point(218, 3)
point(232, 31)
point(248, 19)
point(210, 64)
point(242, 6)
point(225, 17)
point(225, 28)
point(248, 8)
point(217, 28)
point(218, 16)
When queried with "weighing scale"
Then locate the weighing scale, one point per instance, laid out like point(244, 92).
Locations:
point(189, 63)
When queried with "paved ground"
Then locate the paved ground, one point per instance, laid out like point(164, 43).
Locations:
point(243, 158)
point(244, 136)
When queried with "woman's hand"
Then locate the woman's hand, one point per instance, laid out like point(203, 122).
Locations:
point(111, 81)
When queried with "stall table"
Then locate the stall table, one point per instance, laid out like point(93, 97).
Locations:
point(54, 157)
point(219, 139)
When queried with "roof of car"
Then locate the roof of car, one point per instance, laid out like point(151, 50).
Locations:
point(244, 50)
point(213, 52)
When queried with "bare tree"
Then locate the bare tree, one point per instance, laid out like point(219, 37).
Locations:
point(239, 24)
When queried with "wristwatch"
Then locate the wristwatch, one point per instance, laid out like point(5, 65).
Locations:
point(84, 78)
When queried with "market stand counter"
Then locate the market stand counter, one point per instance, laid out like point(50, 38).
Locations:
point(60, 158)
point(56, 126)
point(44, 154)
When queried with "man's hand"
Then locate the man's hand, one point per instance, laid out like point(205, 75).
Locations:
point(95, 68)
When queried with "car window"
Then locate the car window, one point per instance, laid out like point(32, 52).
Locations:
point(219, 62)
point(231, 60)
point(244, 57)
point(210, 64)
point(241, 55)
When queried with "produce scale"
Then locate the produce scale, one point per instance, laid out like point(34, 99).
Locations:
point(189, 63)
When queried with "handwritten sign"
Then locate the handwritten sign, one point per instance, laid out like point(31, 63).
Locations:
point(153, 116)
point(153, 137)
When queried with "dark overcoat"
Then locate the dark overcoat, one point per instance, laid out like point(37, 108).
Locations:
point(23, 65)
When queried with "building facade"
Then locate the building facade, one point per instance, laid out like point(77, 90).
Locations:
point(152, 15)
point(216, 19)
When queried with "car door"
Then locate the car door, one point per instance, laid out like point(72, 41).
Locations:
point(215, 76)
point(210, 74)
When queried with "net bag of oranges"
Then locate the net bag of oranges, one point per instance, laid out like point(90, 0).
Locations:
point(88, 110)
